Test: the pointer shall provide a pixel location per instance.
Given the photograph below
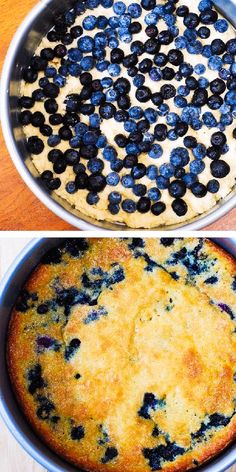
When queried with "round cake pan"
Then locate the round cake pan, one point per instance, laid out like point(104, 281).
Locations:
point(23, 45)
point(9, 409)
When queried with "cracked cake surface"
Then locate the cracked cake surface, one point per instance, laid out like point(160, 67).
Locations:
point(129, 110)
point(122, 352)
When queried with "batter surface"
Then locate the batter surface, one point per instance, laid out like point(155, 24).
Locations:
point(122, 353)
point(164, 190)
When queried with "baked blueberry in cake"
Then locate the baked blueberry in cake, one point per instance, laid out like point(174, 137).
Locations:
point(129, 109)
point(122, 352)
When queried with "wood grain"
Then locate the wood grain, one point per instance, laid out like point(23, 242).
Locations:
point(19, 208)
point(13, 457)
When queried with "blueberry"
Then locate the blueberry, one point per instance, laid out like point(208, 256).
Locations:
point(127, 181)
point(209, 119)
point(179, 207)
point(199, 151)
point(51, 90)
point(180, 42)
point(81, 180)
point(180, 101)
point(158, 208)
point(135, 10)
point(203, 32)
point(143, 94)
point(34, 377)
point(219, 169)
point(199, 69)
point(92, 198)
point(218, 139)
point(35, 145)
point(213, 186)
point(25, 117)
point(214, 152)
point(160, 132)
point(154, 194)
point(208, 16)
point(152, 172)
point(121, 116)
point(167, 170)
point(179, 156)
point(89, 22)
point(42, 309)
point(129, 206)
point(26, 102)
point(65, 133)
point(138, 171)
point(160, 59)
point(122, 85)
point(191, 20)
point(168, 73)
point(113, 179)
point(107, 111)
point(231, 46)
point(200, 97)
point(114, 70)
point(124, 34)
point(139, 190)
point(162, 182)
point(197, 166)
point(77, 433)
point(165, 37)
point(86, 44)
point(203, 82)
point(167, 91)
point(182, 10)
point(143, 205)
point(60, 166)
point(185, 69)
point(214, 63)
point(96, 182)
point(151, 115)
point(110, 454)
point(230, 97)
point(218, 46)
point(198, 189)
point(183, 90)
point(29, 75)
point(155, 74)
point(109, 153)
point(177, 188)
point(114, 197)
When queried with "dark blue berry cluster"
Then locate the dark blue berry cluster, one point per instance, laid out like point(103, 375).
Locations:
point(97, 47)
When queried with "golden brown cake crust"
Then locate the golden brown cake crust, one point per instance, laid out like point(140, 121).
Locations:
point(153, 329)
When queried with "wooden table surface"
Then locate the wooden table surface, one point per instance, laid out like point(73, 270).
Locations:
point(19, 208)
point(13, 457)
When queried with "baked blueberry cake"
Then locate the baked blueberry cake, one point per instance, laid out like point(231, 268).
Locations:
point(122, 352)
point(129, 109)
